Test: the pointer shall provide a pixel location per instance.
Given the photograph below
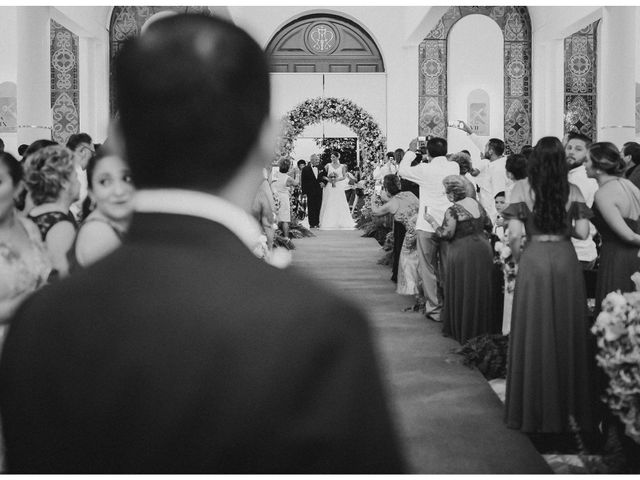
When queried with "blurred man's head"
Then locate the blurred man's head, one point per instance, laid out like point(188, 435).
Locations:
point(82, 145)
point(193, 101)
point(576, 149)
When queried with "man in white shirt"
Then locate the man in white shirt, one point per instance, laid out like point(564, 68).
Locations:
point(433, 200)
point(575, 149)
point(497, 180)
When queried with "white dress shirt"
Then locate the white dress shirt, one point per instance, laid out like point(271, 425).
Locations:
point(585, 249)
point(429, 178)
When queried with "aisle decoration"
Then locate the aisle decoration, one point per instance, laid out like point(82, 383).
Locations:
point(618, 331)
point(504, 258)
point(340, 110)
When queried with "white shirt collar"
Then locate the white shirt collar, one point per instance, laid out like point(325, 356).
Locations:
point(203, 205)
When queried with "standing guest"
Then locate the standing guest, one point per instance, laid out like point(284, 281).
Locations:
point(433, 200)
point(631, 155)
point(464, 162)
point(398, 228)
point(385, 167)
point(22, 148)
point(111, 191)
point(280, 183)
point(493, 151)
point(312, 185)
point(264, 210)
point(468, 266)
point(404, 208)
point(24, 202)
point(174, 354)
point(1, 145)
point(616, 211)
point(576, 152)
point(24, 264)
point(516, 168)
point(82, 146)
point(53, 185)
point(548, 375)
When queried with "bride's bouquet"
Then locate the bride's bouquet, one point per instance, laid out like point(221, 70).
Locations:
point(332, 178)
point(618, 331)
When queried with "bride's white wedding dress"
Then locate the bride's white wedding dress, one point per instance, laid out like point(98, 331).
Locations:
point(334, 211)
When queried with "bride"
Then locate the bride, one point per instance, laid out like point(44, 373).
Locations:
point(334, 211)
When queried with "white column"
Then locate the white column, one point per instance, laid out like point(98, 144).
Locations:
point(34, 77)
point(616, 92)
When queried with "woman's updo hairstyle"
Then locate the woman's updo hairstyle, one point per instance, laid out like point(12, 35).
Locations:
point(605, 156)
point(46, 172)
point(284, 165)
point(454, 185)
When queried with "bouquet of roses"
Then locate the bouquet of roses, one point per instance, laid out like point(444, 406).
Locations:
point(504, 257)
point(618, 331)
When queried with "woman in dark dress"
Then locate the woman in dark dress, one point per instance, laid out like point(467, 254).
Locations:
point(548, 371)
point(468, 264)
point(616, 210)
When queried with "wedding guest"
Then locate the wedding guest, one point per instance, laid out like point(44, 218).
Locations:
point(616, 211)
point(24, 202)
point(111, 190)
point(385, 167)
point(53, 185)
point(429, 177)
point(22, 148)
point(404, 208)
point(468, 264)
point(548, 375)
point(1, 145)
point(499, 225)
point(631, 155)
point(398, 228)
point(82, 146)
point(280, 183)
point(516, 169)
point(175, 354)
point(464, 162)
point(23, 259)
point(264, 210)
point(576, 152)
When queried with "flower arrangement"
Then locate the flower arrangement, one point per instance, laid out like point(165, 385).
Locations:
point(488, 353)
point(504, 258)
point(618, 331)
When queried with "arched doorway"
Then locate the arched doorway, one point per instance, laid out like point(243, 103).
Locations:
point(323, 43)
point(516, 28)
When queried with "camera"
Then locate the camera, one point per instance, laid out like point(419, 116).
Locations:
point(422, 145)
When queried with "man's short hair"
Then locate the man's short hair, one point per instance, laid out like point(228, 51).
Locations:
point(1, 145)
point(496, 145)
point(391, 155)
point(499, 194)
point(78, 138)
point(579, 136)
point(192, 94)
point(437, 147)
point(633, 149)
point(516, 164)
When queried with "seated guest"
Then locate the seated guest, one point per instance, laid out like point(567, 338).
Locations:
point(468, 264)
point(24, 265)
point(404, 208)
point(111, 190)
point(53, 185)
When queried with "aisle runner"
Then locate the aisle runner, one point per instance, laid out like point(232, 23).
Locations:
point(449, 417)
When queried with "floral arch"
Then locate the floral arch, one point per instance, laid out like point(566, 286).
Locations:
point(372, 142)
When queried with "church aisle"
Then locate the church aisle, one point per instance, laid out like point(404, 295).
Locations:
point(449, 418)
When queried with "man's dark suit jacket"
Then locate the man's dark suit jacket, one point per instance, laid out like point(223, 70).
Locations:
point(182, 352)
point(312, 186)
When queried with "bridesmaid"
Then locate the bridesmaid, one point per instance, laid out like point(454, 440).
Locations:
point(616, 208)
point(548, 371)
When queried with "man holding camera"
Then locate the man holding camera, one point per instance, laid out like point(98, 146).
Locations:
point(433, 199)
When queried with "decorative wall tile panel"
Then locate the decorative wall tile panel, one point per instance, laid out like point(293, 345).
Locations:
point(580, 74)
point(516, 29)
point(64, 83)
point(127, 22)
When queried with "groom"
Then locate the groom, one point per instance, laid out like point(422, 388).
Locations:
point(174, 354)
point(312, 185)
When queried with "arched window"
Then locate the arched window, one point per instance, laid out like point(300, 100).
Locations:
point(323, 43)
point(127, 22)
